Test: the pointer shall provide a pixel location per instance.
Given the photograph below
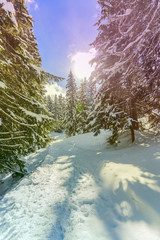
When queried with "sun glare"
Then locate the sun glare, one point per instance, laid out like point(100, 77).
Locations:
point(80, 64)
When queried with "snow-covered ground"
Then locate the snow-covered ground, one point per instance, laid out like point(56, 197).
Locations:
point(81, 189)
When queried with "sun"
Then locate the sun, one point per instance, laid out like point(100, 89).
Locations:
point(80, 65)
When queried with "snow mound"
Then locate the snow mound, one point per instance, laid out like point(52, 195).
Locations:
point(89, 142)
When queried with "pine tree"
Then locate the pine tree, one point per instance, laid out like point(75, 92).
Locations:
point(49, 103)
point(61, 106)
point(55, 107)
point(150, 65)
point(70, 120)
point(123, 31)
point(91, 91)
point(25, 120)
point(83, 107)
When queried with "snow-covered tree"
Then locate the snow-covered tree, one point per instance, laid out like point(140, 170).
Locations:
point(91, 91)
point(25, 120)
point(55, 107)
point(83, 107)
point(70, 120)
point(150, 65)
point(61, 107)
point(124, 27)
point(49, 103)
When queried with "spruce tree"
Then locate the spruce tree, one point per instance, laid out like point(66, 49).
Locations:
point(55, 107)
point(49, 103)
point(25, 120)
point(123, 32)
point(70, 120)
point(91, 91)
point(61, 107)
point(83, 107)
point(150, 65)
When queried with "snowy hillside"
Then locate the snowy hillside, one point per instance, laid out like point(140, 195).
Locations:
point(81, 189)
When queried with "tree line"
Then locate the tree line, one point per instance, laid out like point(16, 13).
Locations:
point(127, 73)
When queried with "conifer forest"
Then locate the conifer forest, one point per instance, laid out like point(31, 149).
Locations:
point(105, 122)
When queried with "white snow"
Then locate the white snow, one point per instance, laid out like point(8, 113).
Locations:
point(127, 12)
point(39, 70)
point(108, 4)
point(80, 188)
point(156, 111)
point(2, 84)
point(38, 117)
point(8, 7)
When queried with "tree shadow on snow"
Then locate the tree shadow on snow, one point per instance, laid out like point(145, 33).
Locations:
point(120, 199)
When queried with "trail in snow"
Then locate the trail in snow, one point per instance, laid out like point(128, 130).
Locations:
point(80, 189)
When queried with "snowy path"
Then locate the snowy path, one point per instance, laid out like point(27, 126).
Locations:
point(85, 191)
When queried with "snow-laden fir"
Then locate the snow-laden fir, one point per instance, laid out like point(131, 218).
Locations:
point(80, 188)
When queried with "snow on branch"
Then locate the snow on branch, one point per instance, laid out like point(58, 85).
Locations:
point(15, 121)
point(38, 117)
point(2, 85)
point(9, 8)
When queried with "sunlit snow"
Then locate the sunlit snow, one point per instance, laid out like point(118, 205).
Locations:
point(80, 188)
point(2, 85)
point(8, 7)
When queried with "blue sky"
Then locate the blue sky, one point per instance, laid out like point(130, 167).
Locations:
point(63, 29)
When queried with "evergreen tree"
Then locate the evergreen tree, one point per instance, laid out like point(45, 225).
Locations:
point(83, 107)
point(25, 120)
point(123, 32)
point(49, 103)
point(70, 120)
point(150, 65)
point(55, 107)
point(91, 91)
point(61, 106)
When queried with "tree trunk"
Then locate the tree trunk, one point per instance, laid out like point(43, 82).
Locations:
point(133, 116)
point(132, 134)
